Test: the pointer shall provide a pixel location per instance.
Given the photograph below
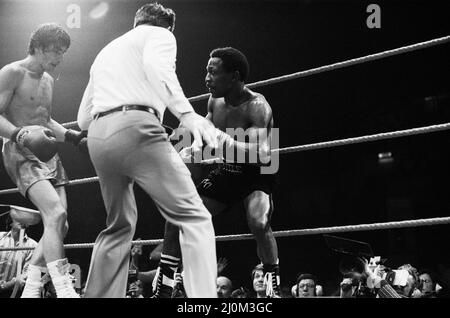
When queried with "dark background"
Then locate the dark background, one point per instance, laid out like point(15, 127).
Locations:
point(329, 187)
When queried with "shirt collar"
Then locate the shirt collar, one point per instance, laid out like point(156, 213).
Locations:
point(9, 234)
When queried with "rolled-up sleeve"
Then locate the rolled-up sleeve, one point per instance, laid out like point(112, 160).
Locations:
point(159, 58)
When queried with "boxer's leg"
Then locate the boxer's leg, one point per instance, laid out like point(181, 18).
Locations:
point(171, 254)
point(258, 206)
point(54, 218)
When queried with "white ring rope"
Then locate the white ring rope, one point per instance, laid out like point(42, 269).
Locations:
point(319, 145)
point(329, 67)
point(367, 138)
point(287, 233)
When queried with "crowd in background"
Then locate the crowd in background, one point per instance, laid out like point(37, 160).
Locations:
point(359, 279)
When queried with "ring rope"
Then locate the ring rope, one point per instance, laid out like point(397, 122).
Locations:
point(287, 233)
point(319, 145)
point(367, 138)
point(329, 67)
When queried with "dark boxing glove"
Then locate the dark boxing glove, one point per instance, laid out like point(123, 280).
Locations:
point(39, 140)
point(78, 139)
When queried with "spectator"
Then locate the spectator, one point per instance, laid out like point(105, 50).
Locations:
point(443, 290)
point(136, 290)
point(259, 283)
point(377, 284)
point(224, 287)
point(410, 290)
point(133, 272)
point(427, 284)
point(305, 286)
point(9, 260)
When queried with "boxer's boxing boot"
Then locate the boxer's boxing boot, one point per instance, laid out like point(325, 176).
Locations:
point(272, 280)
point(59, 272)
point(32, 287)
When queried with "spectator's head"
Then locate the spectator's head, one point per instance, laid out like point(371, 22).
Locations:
point(155, 14)
point(409, 268)
point(412, 282)
point(305, 286)
point(13, 225)
point(224, 287)
point(428, 280)
point(259, 286)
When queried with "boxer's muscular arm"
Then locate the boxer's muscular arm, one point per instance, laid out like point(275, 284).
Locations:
point(10, 77)
point(58, 129)
point(209, 115)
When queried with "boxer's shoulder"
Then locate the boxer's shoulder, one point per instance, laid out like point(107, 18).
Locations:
point(258, 107)
point(258, 100)
point(14, 72)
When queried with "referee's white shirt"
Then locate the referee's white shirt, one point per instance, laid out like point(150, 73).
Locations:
point(135, 68)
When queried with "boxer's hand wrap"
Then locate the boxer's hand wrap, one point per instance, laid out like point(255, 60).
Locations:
point(74, 137)
point(187, 155)
point(16, 133)
point(39, 140)
point(77, 138)
point(224, 139)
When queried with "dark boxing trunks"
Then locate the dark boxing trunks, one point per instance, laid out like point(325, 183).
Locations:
point(230, 183)
point(25, 169)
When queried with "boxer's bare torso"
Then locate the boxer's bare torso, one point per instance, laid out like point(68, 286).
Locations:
point(30, 103)
point(251, 112)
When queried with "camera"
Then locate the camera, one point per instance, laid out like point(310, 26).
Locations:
point(354, 282)
point(132, 278)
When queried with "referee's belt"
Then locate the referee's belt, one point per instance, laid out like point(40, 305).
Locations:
point(125, 108)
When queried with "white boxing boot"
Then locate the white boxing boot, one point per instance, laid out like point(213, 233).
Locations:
point(59, 272)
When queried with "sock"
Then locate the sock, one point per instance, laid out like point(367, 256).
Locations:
point(169, 265)
point(32, 287)
point(164, 282)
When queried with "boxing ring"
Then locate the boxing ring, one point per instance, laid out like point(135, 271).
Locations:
point(307, 147)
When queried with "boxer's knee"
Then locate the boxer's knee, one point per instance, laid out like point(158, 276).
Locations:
point(258, 225)
point(56, 218)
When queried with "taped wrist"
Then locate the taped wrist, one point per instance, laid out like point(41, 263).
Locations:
point(72, 136)
point(224, 138)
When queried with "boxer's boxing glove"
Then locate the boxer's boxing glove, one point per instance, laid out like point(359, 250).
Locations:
point(78, 139)
point(38, 139)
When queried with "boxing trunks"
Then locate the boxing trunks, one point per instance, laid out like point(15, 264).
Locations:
point(25, 169)
point(230, 183)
